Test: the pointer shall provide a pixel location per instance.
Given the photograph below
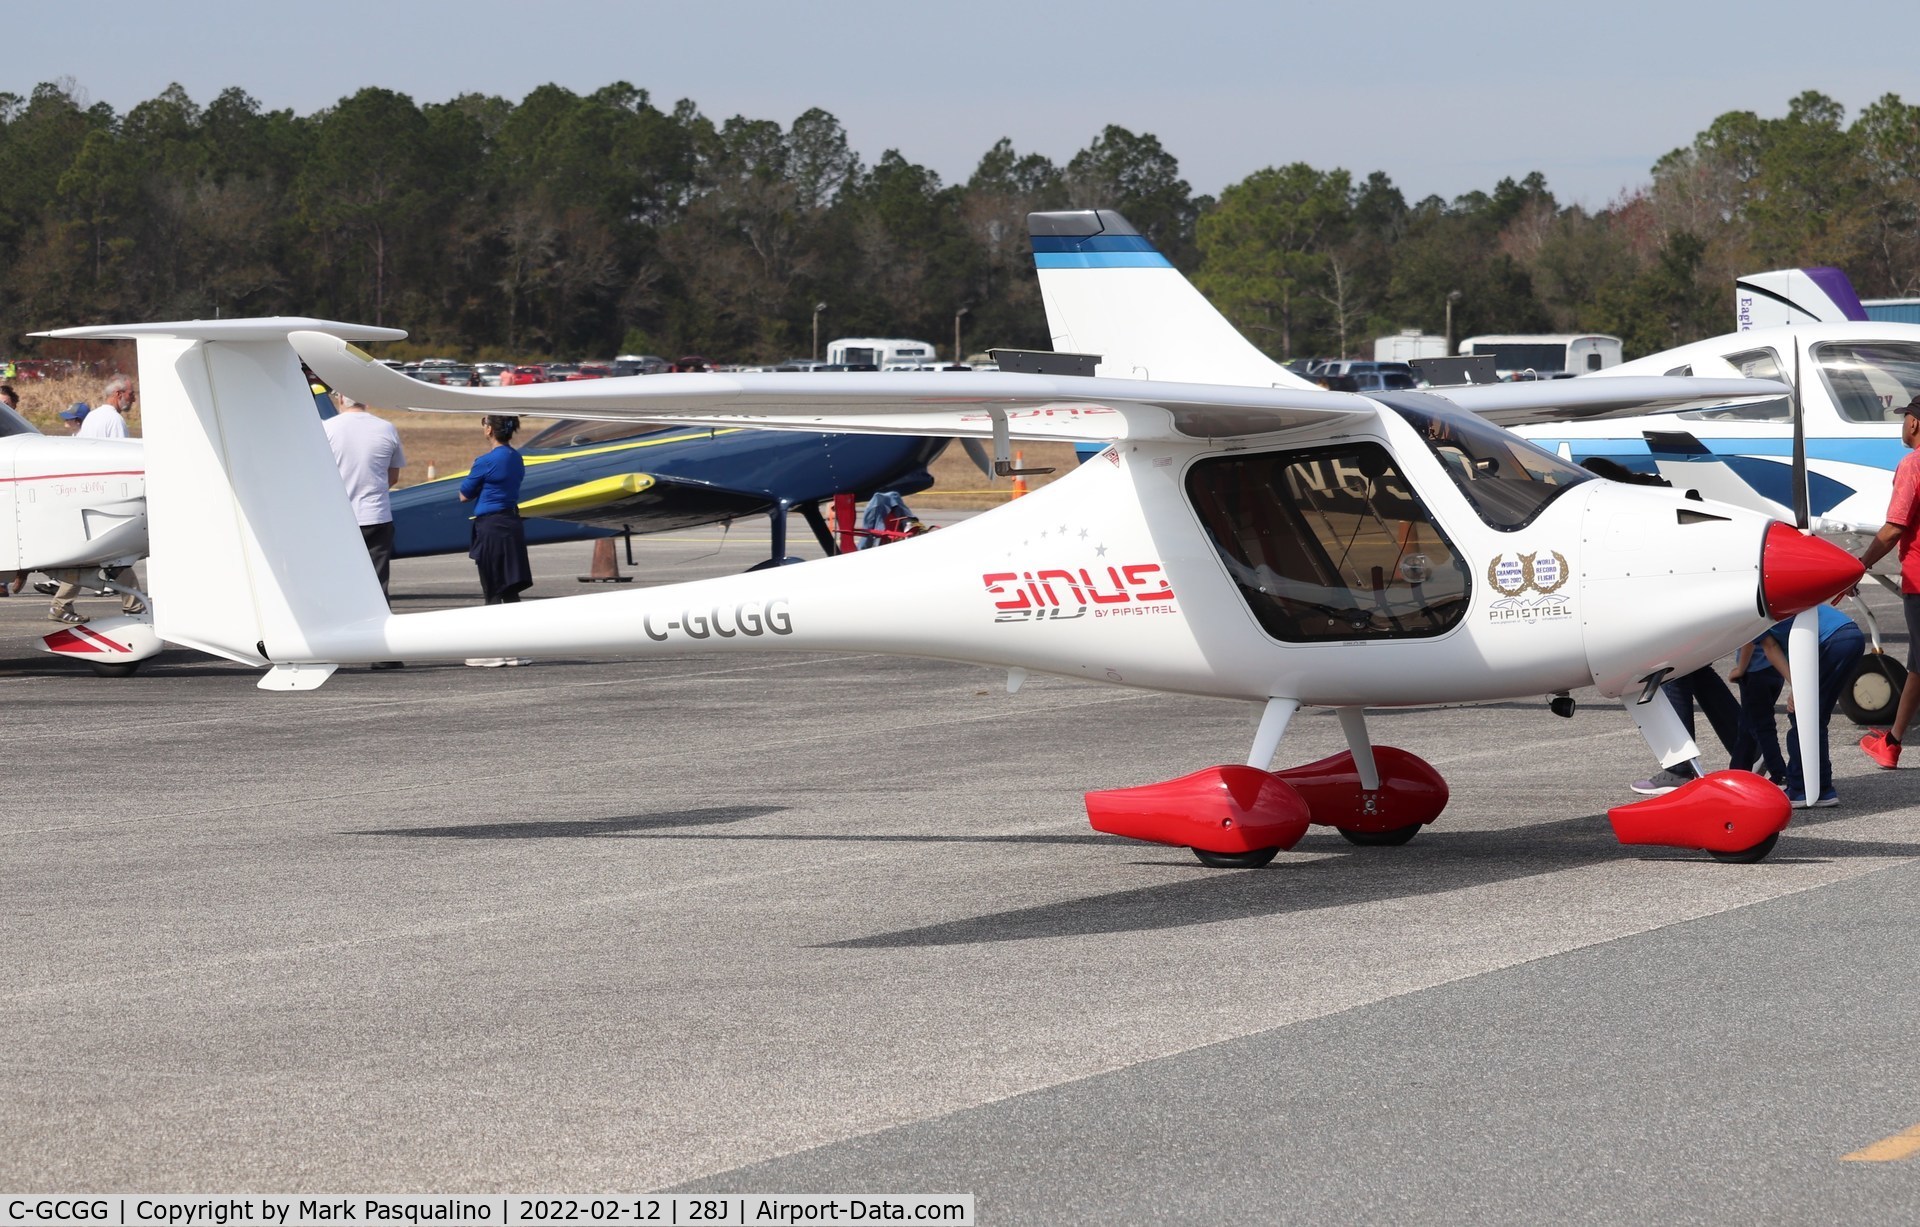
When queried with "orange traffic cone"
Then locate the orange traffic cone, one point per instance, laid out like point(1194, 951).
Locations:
point(606, 567)
point(1019, 480)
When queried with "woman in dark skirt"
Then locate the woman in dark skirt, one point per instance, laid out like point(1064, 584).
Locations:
point(499, 539)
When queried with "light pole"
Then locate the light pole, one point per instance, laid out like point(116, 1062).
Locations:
point(1453, 296)
point(817, 309)
point(956, 333)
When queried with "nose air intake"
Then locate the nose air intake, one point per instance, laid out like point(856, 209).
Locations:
point(1798, 572)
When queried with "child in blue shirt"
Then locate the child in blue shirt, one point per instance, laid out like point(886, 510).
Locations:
point(1841, 645)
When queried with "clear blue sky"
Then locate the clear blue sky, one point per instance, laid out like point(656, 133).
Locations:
point(1443, 97)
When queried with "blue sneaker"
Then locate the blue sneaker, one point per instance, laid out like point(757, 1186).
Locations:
point(1828, 800)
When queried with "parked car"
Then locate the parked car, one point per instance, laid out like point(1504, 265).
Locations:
point(1383, 381)
point(638, 364)
point(490, 373)
point(558, 371)
point(591, 370)
point(514, 376)
point(691, 362)
point(451, 373)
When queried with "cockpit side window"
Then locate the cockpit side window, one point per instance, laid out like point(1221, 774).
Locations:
point(1870, 381)
point(1330, 544)
point(1508, 480)
point(1761, 363)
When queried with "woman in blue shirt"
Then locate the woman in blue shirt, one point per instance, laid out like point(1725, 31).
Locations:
point(499, 539)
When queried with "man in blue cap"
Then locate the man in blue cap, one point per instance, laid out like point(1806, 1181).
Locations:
point(74, 414)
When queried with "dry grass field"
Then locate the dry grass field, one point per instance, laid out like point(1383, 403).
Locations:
point(447, 443)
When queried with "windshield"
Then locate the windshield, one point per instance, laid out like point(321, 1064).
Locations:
point(11, 423)
point(1508, 480)
point(1870, 381)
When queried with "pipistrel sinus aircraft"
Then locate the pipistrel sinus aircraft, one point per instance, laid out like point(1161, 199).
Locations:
point(1267, 544)
point(76, 503)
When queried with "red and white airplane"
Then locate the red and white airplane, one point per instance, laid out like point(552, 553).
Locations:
point(76, 503)
point(1241, 538)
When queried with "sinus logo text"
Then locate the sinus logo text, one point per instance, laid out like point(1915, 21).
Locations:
point(749, 618)
point(1057, 593)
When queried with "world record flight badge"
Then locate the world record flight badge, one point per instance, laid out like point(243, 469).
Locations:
point(1542, 574)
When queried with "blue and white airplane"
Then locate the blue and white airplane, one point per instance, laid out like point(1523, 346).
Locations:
point(1805, 328)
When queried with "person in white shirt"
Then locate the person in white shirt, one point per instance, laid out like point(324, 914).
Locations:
point(105, 420)
point(367, 449)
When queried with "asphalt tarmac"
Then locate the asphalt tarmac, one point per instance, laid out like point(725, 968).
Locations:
point(800, 923)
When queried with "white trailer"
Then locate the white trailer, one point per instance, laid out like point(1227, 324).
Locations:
point(1575, 353)
point(877, 351)
point(1408, 345)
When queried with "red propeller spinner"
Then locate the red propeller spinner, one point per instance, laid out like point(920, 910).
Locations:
point(1798, 572)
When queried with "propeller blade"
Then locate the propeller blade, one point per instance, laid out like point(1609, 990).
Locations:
point(982, 459)
point(1801, 515)
point(1803, 658)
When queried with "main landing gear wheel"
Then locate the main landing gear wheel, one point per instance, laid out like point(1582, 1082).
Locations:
point(1749, 856)
point(1392, 837)
point(115, 669)
point(1872, 691)
point(1235, 860)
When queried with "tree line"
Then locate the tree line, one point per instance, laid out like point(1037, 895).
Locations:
point(573, 225)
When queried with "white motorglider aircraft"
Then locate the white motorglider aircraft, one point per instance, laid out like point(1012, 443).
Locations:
point(76, 503)
point(1272, 545)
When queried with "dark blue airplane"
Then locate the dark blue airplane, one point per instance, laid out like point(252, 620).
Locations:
point(608, 479)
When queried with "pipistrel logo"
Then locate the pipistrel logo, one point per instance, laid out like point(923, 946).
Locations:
point(1529, 587)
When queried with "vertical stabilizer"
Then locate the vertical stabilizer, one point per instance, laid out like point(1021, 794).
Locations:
point(1108, 292)
point(253, 541)
point(1794, 296)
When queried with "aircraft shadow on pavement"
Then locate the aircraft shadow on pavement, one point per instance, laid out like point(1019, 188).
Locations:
point(1437, 862)
point(173, 663)
point(585, 828)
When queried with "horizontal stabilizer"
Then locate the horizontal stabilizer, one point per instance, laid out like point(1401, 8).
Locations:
point(264, 328)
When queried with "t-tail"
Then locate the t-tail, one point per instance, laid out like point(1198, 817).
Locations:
point(1109, 293)
point(255, 553)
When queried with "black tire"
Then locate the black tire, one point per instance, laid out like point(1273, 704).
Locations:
point(1235, 860)
point(1392, 837)
point(114, 669)
point(1871, 692)
point(1749, 856)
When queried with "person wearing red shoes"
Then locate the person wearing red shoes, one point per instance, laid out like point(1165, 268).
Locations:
point(1901, 530)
